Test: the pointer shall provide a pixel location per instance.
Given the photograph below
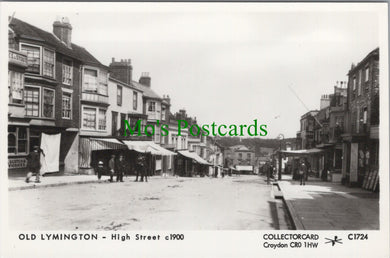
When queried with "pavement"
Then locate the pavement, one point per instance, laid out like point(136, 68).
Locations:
point(18, 183)
point(320, 205)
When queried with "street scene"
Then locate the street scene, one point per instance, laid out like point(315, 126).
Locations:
point(243, 127)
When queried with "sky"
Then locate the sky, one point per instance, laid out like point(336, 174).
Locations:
point(228, 65)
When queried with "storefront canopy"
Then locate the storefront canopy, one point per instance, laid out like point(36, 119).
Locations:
point(194, 156)
point(304, 152)
point(106, 144)
point(148, 147)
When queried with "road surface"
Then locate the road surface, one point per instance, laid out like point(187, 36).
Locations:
point(230, 203)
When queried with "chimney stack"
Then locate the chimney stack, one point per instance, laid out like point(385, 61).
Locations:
point(63, 30)
point(145, 79)
point(122, 70)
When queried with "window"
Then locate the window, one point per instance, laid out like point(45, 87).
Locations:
point(163, 111)
point(248, 156)
point(31, 98)
point(102, 119)
point(114, 122)
point(103, 82)
point(119, 95)
point(90, 80)
point(67, 72)
point(17, 139)
point(152, 106)
point(89, 118)
point(48, 103)
point(365, 115)
point(135, 100)
point(15, 85)
point(367, 74)
point(48, 63)
point(33, 58)
point(240, 155)
point(354, 83)
point(66, 105)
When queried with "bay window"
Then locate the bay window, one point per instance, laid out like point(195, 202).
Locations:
point(94, 118)
point(15, 85)
point(33, 58)
point(31, 99)
point(90, 80)
point(48, 103)
point(48, 63)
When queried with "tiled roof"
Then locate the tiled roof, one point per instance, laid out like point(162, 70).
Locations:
point(28, 31)
point(148, 92)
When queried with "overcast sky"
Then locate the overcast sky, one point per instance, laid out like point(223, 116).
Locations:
point(227, 65)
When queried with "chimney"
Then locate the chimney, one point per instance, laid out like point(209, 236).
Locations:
point(325, 101)
point(167, 99)
point(145, 79)
point(122, 70)
point(63, 30)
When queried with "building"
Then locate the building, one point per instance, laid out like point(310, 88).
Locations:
point(240, 156)
point(45, 100)
point(327, 133)
point(305, 137)
point(361, 128)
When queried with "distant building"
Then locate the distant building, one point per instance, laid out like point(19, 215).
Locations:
point(239, 155)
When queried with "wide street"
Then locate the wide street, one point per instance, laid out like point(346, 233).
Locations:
point(230, 203)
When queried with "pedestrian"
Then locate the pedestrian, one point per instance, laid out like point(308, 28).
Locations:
point(139, 167)
point(145, 169)
point(302, 172)
point(100, 169)
point(111, 167)
point(34, 164)
point(121, 167)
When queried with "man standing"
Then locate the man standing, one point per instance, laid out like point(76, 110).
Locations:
point(111, 167)
point(121, 167)
point(139, 167)
point(34, 164)
point(303, 172)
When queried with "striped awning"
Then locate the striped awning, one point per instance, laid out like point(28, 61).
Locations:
point(106, 144)
point(194, 156)
point(148, 147)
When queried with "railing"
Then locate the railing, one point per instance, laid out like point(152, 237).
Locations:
point(94, 97)
point(16, 57)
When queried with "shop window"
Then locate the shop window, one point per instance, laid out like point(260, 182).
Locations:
point(17, 140)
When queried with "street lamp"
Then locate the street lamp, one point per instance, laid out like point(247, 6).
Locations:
point(281, 138)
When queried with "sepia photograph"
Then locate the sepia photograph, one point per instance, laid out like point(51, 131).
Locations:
point(176, 117)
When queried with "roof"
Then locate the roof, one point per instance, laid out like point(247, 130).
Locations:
point(124, 84)
point(25, 30)
point(148, 92)
point(362, 62)
point(194, 156)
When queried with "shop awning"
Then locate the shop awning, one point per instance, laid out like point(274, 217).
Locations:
point(301, 152)
point(106, 144)
point(194, 156)
point(148, 147)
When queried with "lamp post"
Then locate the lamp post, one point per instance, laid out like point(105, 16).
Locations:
point(281, 138)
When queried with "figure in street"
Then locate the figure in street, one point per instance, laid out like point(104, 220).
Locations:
point(100, 169)
point(34, 164)
point(302, 172)
point(121, 167)
point(111, 167)
point(139, 167)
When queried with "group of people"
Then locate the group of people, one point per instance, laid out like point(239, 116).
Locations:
point(34, 164)
point(119, 167)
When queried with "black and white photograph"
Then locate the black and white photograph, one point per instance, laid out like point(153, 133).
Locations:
point(257, 127)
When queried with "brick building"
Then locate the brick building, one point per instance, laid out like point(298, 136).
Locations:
point(361, 128)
